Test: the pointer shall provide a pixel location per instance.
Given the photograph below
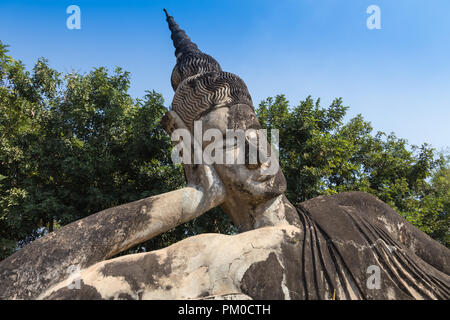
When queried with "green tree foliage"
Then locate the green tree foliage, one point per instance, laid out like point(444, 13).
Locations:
point(320, 154)
point(72, 145)
point(75, 144)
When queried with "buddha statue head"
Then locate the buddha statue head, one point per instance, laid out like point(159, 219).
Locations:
point(220, 100)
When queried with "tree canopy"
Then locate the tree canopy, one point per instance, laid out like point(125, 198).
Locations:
point(320, 154)
point(75, 144)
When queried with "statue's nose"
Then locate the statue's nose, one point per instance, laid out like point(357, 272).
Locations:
point(256, 152)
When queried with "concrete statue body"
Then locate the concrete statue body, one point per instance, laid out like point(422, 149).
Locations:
point(327, 247)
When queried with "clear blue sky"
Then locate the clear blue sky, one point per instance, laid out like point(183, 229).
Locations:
point(397, 77)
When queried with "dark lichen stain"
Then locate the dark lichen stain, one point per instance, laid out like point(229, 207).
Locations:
point(204, 294)
point(127, 218)
point(142, 273)
point(242, 117)
point(291, 257)
point(262, 280)
point(125, 296)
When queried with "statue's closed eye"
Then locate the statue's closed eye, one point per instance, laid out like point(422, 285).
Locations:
point(230, 142)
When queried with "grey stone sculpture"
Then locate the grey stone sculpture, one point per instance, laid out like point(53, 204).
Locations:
point(328, 247)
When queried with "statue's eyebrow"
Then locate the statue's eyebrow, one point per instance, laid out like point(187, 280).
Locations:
point(250, 123)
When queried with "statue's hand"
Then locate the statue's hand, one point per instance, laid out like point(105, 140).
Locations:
point(202, 177)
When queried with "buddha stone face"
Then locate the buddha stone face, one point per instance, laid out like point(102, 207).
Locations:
point(247, 185)
point(220, 100)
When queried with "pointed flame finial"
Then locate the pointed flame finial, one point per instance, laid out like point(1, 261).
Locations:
point(181, 41)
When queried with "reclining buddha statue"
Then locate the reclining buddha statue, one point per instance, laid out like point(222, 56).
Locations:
point(345, 246)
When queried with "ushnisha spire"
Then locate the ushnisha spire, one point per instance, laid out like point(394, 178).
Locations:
point(190, 60)
point(198, 80)
point(181, 41)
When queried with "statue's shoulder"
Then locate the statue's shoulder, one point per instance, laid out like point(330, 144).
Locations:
point(366, 221)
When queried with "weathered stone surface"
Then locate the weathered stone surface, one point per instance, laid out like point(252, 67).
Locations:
point(195, 268)
point(51, 259)
point(347, 233)
point(282, 262)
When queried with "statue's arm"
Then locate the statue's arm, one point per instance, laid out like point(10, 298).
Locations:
point(100, 236)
